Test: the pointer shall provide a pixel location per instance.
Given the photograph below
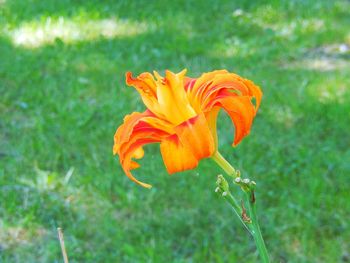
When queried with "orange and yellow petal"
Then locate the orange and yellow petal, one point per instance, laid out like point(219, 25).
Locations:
point(146, 85)
point(211, 117)
point(172, 98)
point(176, 156)
point(191, 142)
point(144, 82)
point(165, 96)
point(196, 87)
point(195, 135)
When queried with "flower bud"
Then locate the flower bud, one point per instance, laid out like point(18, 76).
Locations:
point(222, 183)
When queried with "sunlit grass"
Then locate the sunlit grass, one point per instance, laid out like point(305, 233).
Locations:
point(69, 30)
point(269, 18)
point(320, 64)
point(284, 115)
point(331, 90)
point(233, 47)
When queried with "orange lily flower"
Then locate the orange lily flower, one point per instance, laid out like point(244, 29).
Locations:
point(181, 115)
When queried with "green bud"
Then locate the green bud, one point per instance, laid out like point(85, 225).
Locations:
point(222, 184)
point(252, 185)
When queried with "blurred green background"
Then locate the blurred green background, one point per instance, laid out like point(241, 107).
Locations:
point(62, 96)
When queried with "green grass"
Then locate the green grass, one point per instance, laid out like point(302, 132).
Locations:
point(62, 95)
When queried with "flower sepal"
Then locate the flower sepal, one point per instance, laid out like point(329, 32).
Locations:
point(222, 185)
point(246, 184)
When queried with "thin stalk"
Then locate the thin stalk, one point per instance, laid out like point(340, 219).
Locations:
point(237, 209)
point(63, 248)
point(254, 225)
point(225, 165)
point(259, 241)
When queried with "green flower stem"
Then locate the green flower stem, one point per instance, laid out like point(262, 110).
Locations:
point(237, 209)
point(255, 228)
point(253, 224)
point(225, 165)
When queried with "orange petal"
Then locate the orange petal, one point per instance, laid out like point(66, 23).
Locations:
point(176, 156)
point(211, 117)
point(127, 162)
point(139, 153)
point(207, 77)
point(189, 83)
point(195, 135)
point(229, 91)
point(147, 87)
point(145, 83)
point(206, 88)
point(255, 92)
point(241, 111)
point(134, 133)
point(124, 131)
point(196, 87)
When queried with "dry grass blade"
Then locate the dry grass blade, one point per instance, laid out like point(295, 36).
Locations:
point(63, 248)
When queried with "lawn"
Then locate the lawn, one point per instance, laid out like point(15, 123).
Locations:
point(63, 94)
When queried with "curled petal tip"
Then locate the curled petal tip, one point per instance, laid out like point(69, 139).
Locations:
point(157, 75)
point(128, 77)
point(135, 180)
point(183, 72)
point(148, 186)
